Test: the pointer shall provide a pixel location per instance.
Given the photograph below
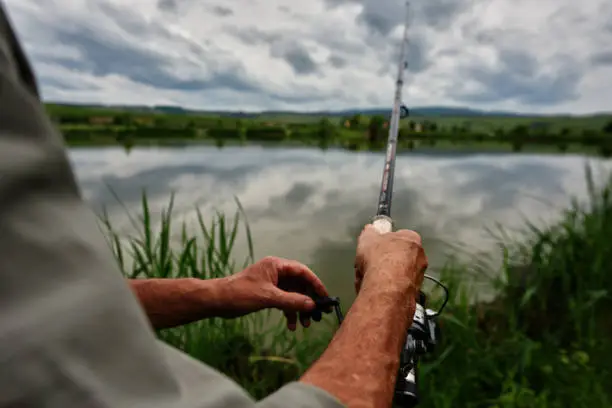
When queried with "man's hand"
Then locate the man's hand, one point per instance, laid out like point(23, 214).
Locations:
point(396, 258)
point(270, 283)
point(275, 283)
point(360, 365)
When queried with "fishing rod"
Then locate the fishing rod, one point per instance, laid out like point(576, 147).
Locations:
point(423, 334)
point(382, 221)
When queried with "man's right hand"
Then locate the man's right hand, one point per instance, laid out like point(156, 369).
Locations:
point(395, 258)
point(360, 365)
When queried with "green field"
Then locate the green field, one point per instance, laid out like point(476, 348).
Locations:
point(103, 126)
point(545, 341)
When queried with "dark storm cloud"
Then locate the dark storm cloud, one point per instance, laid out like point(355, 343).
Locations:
point(136, 25)
point(222, 11)
point(379, 17)
point(291, 51)
point(254, 36)
point(105, 54)
point(337, 61)
point(276, 40)
point(167, 5)
point(64, 84)
point(520, 77)
point(440, 13)
point(296, 55)
point(602, 58)
point(382, 17)
point(378, 22)
point(417, 54)
point(606, 12)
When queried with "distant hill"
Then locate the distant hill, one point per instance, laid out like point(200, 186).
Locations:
point(417, 111)
point(425, 111)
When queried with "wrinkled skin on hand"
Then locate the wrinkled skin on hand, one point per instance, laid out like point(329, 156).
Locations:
point(275, 283)
point(383, 255)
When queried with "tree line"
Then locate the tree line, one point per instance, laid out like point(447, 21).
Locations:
point(352, 131)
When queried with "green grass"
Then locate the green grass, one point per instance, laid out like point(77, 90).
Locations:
point(543, 342)
point(490, 123)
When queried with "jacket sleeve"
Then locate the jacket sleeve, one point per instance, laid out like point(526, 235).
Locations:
point(300, 395)
point(71, 332)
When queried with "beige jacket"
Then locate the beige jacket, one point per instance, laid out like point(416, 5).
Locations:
point(71, 332)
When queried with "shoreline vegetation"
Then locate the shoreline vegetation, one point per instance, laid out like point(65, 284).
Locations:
point(545, 341)
point(89, 126)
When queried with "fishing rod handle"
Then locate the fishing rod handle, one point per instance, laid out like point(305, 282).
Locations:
point(383, 224)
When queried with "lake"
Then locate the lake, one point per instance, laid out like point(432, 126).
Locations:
point(310, 204)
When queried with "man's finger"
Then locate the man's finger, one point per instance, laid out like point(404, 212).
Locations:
point(292, 301)
point(291, 320)
point(295, 269)
point(368, 231)
point(368, 234)
point(305, 320)
point(410, 235)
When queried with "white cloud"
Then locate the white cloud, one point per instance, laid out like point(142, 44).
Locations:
point(320, 54)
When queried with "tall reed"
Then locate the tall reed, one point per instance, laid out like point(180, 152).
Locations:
point(259, 355)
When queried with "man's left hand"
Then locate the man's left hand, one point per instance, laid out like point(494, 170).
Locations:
point(274, 283)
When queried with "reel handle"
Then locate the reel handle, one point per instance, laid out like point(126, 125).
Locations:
point(406, 386)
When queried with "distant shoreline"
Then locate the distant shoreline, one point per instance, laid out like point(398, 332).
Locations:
point(102, 127)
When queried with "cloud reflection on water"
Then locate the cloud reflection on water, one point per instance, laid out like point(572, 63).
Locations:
point(310, 205)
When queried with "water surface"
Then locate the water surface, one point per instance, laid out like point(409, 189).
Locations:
point(310, 204)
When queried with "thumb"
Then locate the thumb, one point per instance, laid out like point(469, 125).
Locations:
point(292, 301)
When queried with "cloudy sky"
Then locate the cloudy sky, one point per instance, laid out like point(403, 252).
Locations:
point(528, 55)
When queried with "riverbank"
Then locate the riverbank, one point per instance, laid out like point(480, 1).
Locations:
point(99, 127)
point(543, 342)
point(421, 147)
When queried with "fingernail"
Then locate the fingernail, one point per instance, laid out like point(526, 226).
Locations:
point(309, 304)
point(291, 327)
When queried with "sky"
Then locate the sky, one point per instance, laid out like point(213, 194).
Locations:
point(542, 56)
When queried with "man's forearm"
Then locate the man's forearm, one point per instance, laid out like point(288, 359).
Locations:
point(360, 365)
point(174, 302)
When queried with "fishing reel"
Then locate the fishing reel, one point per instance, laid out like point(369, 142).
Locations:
point(422, 337)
